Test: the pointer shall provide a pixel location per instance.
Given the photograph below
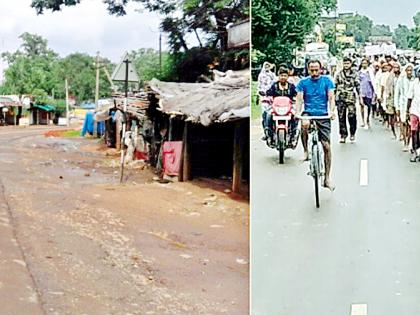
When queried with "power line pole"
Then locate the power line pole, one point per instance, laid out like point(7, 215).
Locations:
point(97, 65)
point(335, 31)
point(67, 104)
point(127, 62)
point(160, 53)
point(109, 78)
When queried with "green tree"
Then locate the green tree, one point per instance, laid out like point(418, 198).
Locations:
point(402, 36)
point(207, 20)
point(36, 70)
point(80, 72)
point(414, 39)
point(416, 19)
point(30, 67)
point(147, 64)
point(381, 30)
point(208, 17)
point(359, 26)
point(280, 27)
point(329, 36)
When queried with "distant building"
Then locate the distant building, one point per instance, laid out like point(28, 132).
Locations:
point(346, 40)
point(346, 15)
point(380, 39)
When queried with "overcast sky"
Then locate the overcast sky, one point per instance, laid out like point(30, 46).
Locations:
point(391, 12)
point(86, 27)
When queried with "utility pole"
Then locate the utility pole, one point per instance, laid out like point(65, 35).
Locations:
point(109, 78)
point(160, 53)
point(335, 31)
point(97, 65)
point(67, 104)
point(127, 62)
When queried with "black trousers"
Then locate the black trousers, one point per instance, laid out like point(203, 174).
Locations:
point(368, 102)
point(347, 111)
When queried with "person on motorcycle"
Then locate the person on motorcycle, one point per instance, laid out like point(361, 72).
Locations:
point(316, 94)
point(281, 88)
point(265, 80)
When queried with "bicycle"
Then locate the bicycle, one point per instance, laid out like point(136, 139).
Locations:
point(316, 165)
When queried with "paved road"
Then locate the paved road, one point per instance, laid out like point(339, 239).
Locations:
point(361, 247)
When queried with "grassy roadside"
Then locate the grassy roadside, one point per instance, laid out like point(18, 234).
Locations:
point(255, 108)
point(72, 133)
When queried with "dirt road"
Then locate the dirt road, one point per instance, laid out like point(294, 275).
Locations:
point(74, 241)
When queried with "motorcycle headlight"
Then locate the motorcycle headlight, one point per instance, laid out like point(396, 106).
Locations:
point(281, 110)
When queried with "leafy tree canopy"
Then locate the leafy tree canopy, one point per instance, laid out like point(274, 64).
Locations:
point(203, 18)
point(207, 20)
point(280, 27)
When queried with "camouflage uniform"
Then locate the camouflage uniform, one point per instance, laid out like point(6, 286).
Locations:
point(346, 85)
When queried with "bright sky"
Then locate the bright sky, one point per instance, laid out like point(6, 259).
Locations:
point(86, 27)
point(391, 12)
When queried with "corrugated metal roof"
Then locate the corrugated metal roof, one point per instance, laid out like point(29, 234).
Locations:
point(48, 108)
point(225, 99)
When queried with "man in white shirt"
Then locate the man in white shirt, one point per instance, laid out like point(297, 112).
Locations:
point(265, 79)
point(401, 98)
point(385, 89)
point(414, 111)
point(378, 88)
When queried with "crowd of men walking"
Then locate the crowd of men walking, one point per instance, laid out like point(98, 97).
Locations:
point(382, 88)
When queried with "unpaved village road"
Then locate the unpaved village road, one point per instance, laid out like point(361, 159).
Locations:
point(74, 241)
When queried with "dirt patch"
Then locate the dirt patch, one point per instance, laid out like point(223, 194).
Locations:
point(143, 247)
point(68, 133)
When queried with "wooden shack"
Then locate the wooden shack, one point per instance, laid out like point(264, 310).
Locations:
point(10, 110)
point(41, 114)
point(212, 121)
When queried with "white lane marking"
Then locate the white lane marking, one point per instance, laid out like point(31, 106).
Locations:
point(364, 172)
point(358, 309)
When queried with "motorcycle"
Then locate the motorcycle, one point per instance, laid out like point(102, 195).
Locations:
point(284, 133)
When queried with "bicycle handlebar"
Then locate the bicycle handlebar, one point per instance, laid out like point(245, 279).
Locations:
point(314, 117)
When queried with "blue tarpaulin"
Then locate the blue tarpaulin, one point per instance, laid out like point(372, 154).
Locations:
point(47, 108)
point(88, 106)
point(89, 124)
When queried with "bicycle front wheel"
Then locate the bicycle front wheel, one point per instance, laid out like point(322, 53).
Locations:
point(316, 172)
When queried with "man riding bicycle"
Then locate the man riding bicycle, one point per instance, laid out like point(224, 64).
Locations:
point(316, 94)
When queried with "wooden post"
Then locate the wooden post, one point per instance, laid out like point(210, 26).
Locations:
point(181, 165)
point(170, 129)
point(238, 145)
point(14, 115)
point(186, 155)
point(118, 135)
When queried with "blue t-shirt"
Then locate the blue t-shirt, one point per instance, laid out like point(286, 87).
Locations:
point(315, 94)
